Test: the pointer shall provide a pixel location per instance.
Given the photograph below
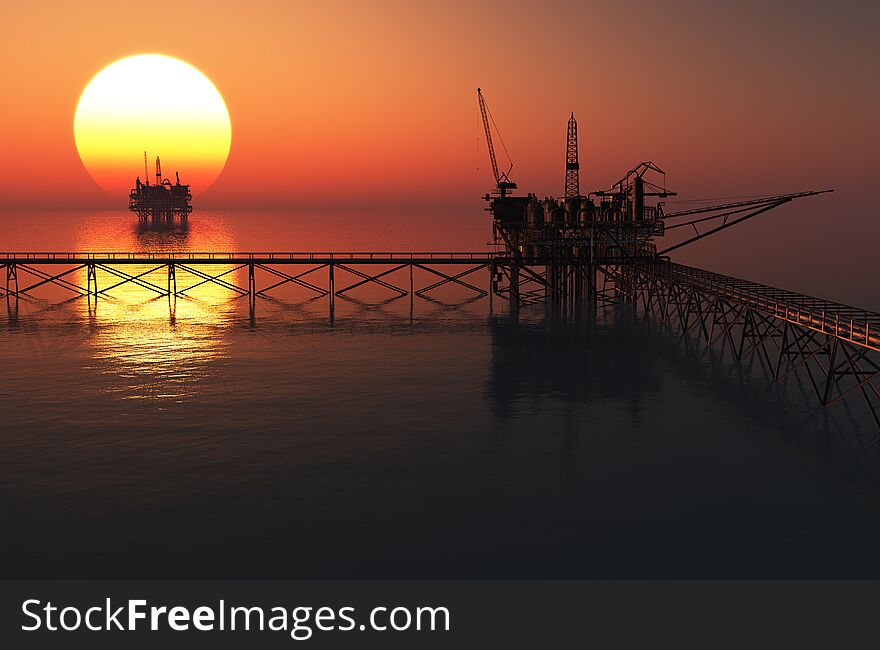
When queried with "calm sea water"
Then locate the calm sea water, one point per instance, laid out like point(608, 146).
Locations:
point(441, 439)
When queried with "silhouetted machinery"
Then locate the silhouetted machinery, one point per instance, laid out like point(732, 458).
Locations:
point(163, 200)
point(570, 239)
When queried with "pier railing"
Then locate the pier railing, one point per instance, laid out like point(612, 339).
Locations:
point(858, 326)
point(315, 271)
point(837, 346)
point(834, 348)
point(232, 257)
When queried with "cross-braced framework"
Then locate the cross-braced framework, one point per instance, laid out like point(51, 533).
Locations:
point(572, 167)
point(531, 282)
point(836, 348)
point(417, 275)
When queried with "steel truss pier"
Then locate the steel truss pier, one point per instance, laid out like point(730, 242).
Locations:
point(520, 280)
point(319, 273)
point(835, 347)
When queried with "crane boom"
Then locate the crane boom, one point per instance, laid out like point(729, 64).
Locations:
point(502, 182)
point(741, 210)
point(738, 204)
point(488, 137)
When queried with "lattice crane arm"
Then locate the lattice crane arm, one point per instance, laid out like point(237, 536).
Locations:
point(488, 131)
point(747, 210)
point(740, 204)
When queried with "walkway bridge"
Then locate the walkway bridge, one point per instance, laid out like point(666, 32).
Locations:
point(835, 347)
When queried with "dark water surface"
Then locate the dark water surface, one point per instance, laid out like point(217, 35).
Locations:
point(142, 438)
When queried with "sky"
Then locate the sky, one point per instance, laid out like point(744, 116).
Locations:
point(347, 105)
point(342, 103)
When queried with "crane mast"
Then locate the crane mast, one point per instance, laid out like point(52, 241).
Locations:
point(502, 182)
point(488, 136)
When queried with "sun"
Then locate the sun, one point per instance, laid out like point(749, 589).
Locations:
point(153, 103)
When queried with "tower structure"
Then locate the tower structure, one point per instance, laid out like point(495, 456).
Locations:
point(572, 167)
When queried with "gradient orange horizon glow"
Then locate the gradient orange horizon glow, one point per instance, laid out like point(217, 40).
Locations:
point(349, 103)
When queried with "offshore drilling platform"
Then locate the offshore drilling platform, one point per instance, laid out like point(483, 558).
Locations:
point(589, 247)
point(602, 248)
point(162, 200)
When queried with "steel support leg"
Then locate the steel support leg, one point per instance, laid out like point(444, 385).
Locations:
point(172, 280)
point(514, 283)
point(332, 291)
point(12, 276)
point(92, 280)
point(492, 271)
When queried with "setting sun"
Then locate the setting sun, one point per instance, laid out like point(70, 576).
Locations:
point(157, 104)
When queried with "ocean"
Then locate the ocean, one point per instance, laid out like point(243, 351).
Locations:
point(144, 437)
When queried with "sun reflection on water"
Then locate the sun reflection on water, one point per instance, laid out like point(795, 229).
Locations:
point(161, 346)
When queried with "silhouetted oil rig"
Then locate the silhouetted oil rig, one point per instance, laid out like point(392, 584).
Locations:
point(163, 200)
point(593, 247)
point(600, 248)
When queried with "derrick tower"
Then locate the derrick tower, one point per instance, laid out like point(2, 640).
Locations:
point(572, 182)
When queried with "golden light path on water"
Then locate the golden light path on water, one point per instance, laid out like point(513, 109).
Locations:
point(160, 346)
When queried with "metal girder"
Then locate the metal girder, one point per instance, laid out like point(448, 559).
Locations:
point(134, 279)
point(836, 367)
point(47, 278)
point(206, 280)
point(446, 279)
point(367, 278)
point(294, 279)
point(723, 226)
point(214, 278)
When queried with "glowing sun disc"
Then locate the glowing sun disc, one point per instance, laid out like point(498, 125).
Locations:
point(153, 103)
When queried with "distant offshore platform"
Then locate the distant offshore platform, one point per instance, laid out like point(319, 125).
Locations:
point(162, 200)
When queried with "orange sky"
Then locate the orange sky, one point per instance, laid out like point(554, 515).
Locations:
point(344, 103)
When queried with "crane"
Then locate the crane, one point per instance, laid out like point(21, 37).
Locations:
point(502, 181)
point(729, 213)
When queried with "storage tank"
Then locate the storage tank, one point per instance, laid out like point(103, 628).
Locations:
point(585, 213)
point(572, 205)
point(638, 199)
point(553, 213)
point(545, 207)
point(535, 214)
point(610, 213)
